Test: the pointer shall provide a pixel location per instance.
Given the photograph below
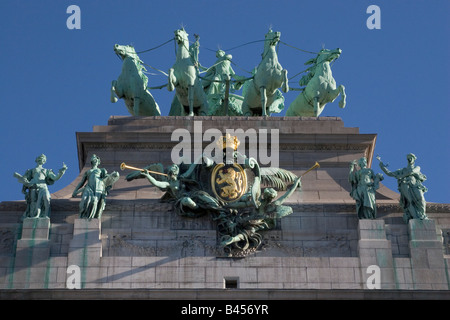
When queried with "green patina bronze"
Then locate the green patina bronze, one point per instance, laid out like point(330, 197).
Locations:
point(364, 183)
point(262, 96)
point(320, 86)
point(215, 92)
point(411, 189)
point(190, 98)
point(241, 230)
point(94, 187)
point(238, 195)
point(219, 80)
point(35, 188)
point(131, 86)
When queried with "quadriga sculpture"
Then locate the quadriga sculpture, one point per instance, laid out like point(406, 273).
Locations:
point(320, 87)
point(132, 84)
point(190, 97)
point(262, 96)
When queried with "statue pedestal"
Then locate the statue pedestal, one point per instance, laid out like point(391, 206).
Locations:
point(85, 248)
point(32, 254)
point(375, 250)
point(36, 228)
point(427, 260)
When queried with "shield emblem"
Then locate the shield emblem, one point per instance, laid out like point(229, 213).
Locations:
point(229, 182)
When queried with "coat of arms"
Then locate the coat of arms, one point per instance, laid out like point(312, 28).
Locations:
point(229, 182)
point(231, 192)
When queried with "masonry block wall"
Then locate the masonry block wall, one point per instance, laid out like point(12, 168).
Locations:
point(149, 246)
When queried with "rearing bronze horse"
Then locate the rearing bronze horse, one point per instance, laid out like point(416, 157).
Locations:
point(262, 96)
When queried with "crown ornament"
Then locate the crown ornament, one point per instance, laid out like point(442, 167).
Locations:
point(228, 141)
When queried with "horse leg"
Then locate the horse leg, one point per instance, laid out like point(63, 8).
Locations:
point(335, 93)
point(245, 109)
point(263, 101)
point(113, 92)
point(316, 105)
point(285, 81)
point(151, 104)
point(204, 109)
point(172, 80)
point(137, 102)
point(191, 100)
point(342, 103)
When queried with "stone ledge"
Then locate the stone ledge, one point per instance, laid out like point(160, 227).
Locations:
point(221, 294)
point(117, 205)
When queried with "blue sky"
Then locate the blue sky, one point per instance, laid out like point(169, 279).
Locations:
point(56, 81)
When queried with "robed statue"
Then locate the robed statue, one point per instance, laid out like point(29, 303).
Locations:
point(94, 187)
point(364, 183)
point(35, 187)
point(411, 189)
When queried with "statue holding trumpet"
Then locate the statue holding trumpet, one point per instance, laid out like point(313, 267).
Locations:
point(189, 199)
point(196, 190)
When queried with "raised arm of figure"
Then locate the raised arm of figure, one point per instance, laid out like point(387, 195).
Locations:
point(159, 184)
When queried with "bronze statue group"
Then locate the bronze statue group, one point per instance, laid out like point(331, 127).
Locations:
point(240, 212)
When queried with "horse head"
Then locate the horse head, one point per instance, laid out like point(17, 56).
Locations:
point(271, 39)
point(125, 52)
point(181, 37)
point(326, 55)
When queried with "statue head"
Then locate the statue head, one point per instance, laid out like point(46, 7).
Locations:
point(173, 172)
point(411, 158)
point(362, 162)
point(220, 54)
point(269, 194)
point(95, 160)
point(41, 159)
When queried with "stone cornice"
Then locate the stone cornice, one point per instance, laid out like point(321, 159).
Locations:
point(156, 205)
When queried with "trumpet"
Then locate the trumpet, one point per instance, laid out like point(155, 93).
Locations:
point(316, 165)
point(124, 166)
